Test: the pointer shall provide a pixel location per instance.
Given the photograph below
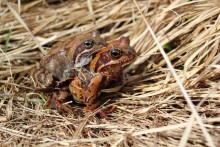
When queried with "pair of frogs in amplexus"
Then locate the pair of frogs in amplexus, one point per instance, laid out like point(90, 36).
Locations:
point(82, 66)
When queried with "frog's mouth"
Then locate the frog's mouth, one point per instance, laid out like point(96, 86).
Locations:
point(83, 61)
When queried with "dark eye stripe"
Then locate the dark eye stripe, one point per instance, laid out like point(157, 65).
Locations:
point(77, 52)
point(103, 59)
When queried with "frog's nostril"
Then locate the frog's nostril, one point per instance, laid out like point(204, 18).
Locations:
point(132, 51)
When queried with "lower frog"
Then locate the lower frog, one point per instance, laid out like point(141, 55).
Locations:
point(104, 71)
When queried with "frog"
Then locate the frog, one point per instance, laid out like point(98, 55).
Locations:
point(104, 71)
point(65, 58)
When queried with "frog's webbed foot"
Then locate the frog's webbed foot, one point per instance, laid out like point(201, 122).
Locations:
point(54, 102)
point(102, 112)
point(66, 107)
point(92, 107)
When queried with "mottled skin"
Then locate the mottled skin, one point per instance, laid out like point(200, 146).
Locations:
point(104, 71)
point(66, 58)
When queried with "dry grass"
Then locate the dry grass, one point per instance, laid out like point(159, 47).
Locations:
point(153, 108)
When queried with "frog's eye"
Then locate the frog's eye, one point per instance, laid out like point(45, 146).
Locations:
point(88, 44)
point(115, 53)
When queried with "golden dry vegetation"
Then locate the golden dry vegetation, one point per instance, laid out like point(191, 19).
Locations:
point(170, 98)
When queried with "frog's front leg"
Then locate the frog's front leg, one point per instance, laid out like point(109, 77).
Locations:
point(92, 91)
point(86, 91)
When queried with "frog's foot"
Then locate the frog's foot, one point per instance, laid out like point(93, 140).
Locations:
point(102, 112)
point(91, 107)
point(66, 107)
point(113, 107)
point(52, 102)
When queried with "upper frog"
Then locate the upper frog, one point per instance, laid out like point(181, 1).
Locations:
point(66, 57)
point(104, 71)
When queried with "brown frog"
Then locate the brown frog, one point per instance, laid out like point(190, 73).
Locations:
point(104, 71)
point(65, 59)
